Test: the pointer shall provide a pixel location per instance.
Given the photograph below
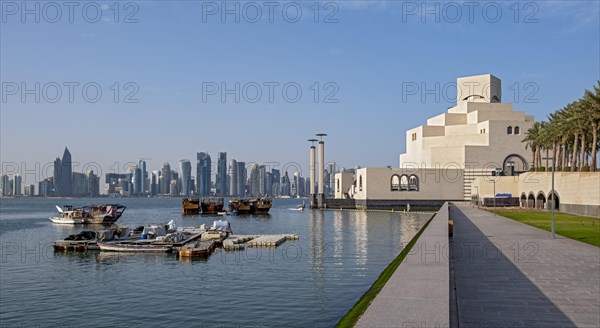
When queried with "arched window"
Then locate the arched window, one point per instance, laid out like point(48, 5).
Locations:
point(509, 130)
point(395, 185)
point(413, 183)
point(360, 183)
point(517, 130)
point(404, 182)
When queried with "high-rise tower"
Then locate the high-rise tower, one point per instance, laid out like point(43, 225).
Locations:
point(186, 176)
point(63, 174)
point(203, 174)
point(221, 182)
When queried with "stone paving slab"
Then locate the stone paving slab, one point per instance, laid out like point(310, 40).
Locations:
point(509, 274)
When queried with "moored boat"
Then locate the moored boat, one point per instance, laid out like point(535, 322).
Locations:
point(69, 215)
point(250, 205)
point(89, 214)
point(190, 206)
point(212, 206)
point(105, 213)
point(134, 246)
point(263, 205)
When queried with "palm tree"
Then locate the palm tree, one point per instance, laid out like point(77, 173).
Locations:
point(571, 133)
point(591, 108)
point(532, 139)
point(576, 124)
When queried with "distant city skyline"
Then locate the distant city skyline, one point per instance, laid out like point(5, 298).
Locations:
point(237, 179)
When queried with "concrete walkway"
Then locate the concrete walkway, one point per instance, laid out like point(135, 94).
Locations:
point(508, 274)
point(417, 294)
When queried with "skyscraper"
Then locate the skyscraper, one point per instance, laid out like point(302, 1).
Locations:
point(166, 176)
point(154, 183)
point(276, 179)
point(331, 168)
point(176, 182)
point(262, 180)
point(93, 184)
point(144, 188)
point(221, 182)
point(63, 174)
point(295, 191)
point(4, 185)
point(46, 187)
point(203, 174)
point(80, 185)
point(233, 178)
point(285, 185)
point(17, 185)
point(136, 180)
point(241, 173)
point(253, 181)
point(186, 176)
point(29, 190)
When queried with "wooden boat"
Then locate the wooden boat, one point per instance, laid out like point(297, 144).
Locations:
point(212, 206)
point(263, 205)
point(190, 206)
point(250, 205)
point(94, 214)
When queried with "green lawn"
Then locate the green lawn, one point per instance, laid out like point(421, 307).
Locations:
point(583, 228)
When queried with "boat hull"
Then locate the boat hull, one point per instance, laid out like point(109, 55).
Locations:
point(211, 206)
point(90, 214)
point(250, 206)
point(134, 248)
point(59, 220)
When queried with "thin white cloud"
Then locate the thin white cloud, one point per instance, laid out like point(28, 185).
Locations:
point(582, 12)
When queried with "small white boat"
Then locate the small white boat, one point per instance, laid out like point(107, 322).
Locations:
point(298, 208)
point(134, 247)
point(70, 216)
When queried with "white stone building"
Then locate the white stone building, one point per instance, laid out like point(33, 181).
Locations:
point(464, 154)
point(477, 137)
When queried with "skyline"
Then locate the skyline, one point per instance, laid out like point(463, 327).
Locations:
point(234, 178)
point(374, 54)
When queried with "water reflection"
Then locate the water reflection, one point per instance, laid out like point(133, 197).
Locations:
point(316, 244)
point(361, 238)
point(338, 236)
point(107, 258)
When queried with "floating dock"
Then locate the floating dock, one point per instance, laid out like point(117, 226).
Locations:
point(198, 249)
point(197, 245)
point(76, 245)
point(270, 240)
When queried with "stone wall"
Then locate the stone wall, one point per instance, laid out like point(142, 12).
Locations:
point(586, 210)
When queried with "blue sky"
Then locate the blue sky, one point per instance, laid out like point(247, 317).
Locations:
point(547, 51)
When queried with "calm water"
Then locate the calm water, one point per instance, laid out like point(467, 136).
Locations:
point(309, 282)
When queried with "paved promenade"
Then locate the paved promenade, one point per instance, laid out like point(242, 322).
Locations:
point(417, 294)
point(508, 274)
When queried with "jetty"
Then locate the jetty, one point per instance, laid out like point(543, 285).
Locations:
point(270, 240)
point(185, 242)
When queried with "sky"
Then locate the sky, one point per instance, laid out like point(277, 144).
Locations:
point(163, 80)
